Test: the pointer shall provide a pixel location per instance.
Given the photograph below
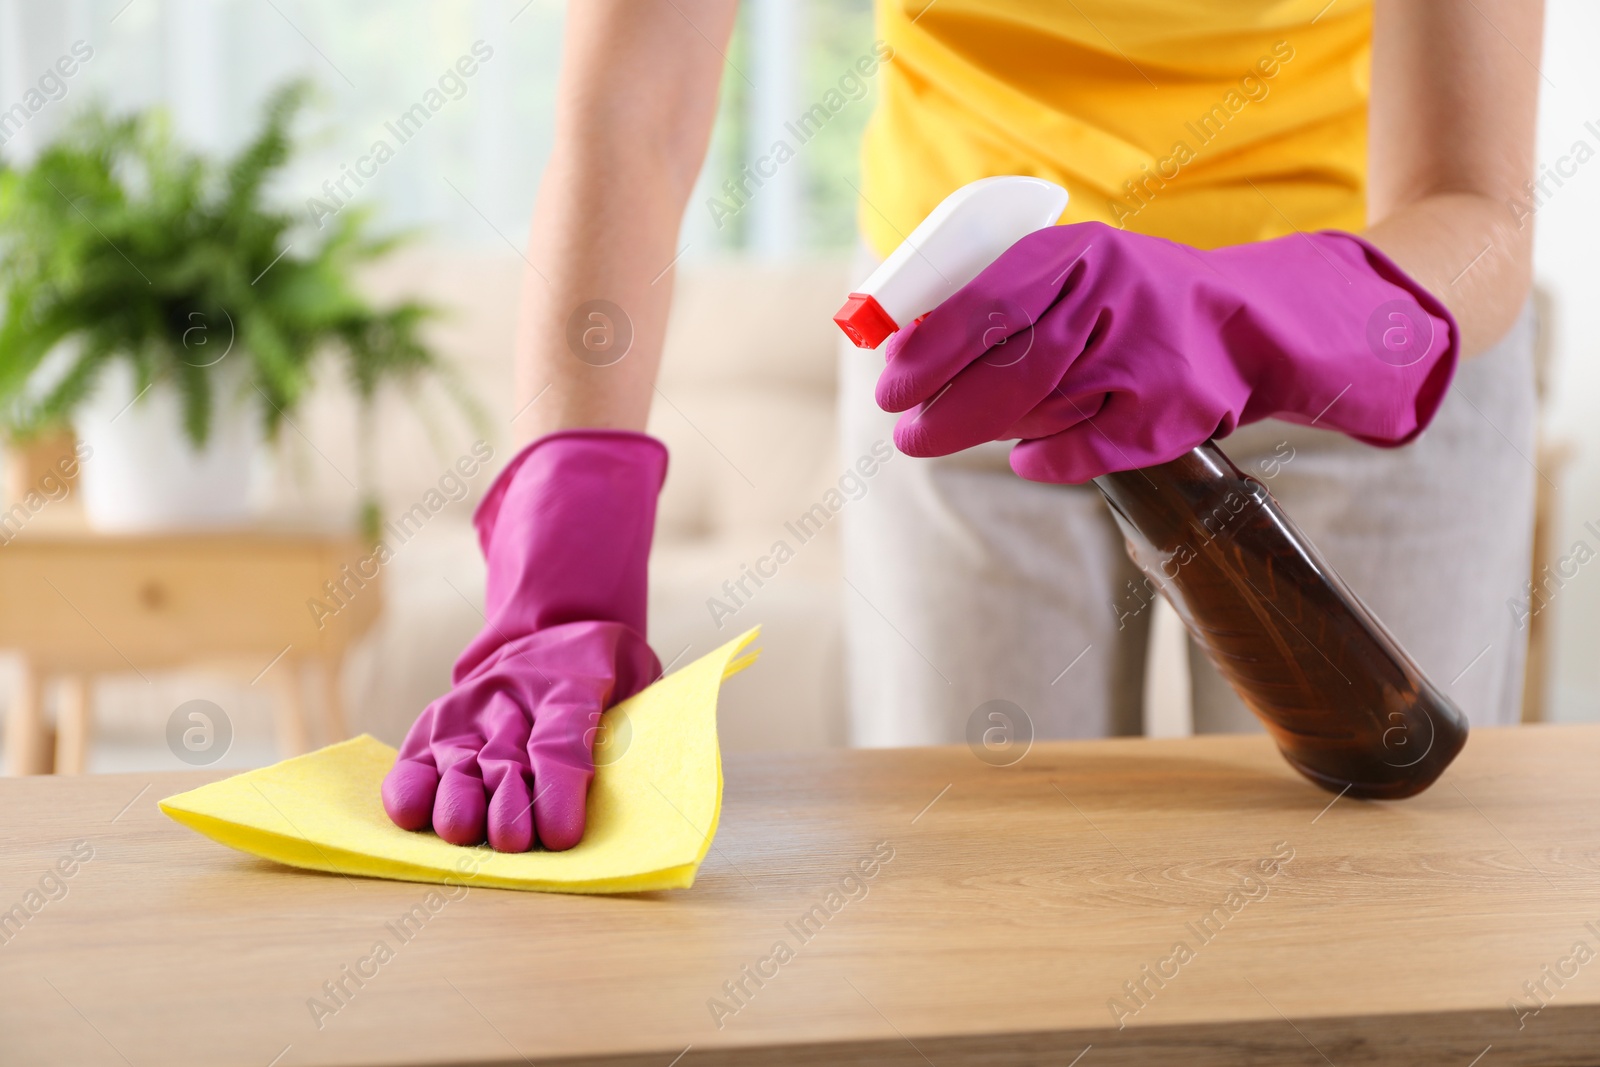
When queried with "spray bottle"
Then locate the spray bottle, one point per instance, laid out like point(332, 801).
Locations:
point(1345, 703)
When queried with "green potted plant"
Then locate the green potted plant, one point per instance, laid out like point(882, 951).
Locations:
point(156, 301)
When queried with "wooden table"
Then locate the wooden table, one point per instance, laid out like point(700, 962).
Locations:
point(75, 603)
point(1016, 904)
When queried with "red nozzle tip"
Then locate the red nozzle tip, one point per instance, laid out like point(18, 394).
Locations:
point(864, 321)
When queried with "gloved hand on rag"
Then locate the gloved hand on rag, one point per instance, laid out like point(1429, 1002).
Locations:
point(508, 753)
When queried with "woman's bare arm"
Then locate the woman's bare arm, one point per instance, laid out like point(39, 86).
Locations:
point(1455, 93)
point(636, 101)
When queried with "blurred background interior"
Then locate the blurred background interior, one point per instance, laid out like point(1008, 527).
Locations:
point(109, 635)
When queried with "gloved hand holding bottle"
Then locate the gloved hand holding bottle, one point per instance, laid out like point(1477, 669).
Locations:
point(1105, 350)
point(508, 754)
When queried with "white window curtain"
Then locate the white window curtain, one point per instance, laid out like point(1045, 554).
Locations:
point(471, 174)
point(468, 176)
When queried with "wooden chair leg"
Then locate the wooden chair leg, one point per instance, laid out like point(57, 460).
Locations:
point(293, 733)
point(74, 725)
point(1553, 457)
point(334, 726)
point(25, 727)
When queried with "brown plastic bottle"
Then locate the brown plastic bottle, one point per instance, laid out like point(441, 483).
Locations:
point(1347, 706)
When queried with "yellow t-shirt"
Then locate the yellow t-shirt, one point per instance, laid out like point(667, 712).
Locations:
point(1211, 122)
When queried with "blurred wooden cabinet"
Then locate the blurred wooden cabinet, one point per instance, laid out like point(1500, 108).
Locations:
point(75, 603)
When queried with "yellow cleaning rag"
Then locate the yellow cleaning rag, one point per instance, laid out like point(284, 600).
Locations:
point(653, 807)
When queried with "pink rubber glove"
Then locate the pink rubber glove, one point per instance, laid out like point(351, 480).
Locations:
point(1104, 350)
point(509, 751)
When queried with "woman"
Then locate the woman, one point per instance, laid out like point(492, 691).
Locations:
point(1288, 217)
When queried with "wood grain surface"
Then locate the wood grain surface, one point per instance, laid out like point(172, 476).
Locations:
point(1005, 912)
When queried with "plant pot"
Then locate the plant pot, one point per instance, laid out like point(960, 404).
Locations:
point(143, 475)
